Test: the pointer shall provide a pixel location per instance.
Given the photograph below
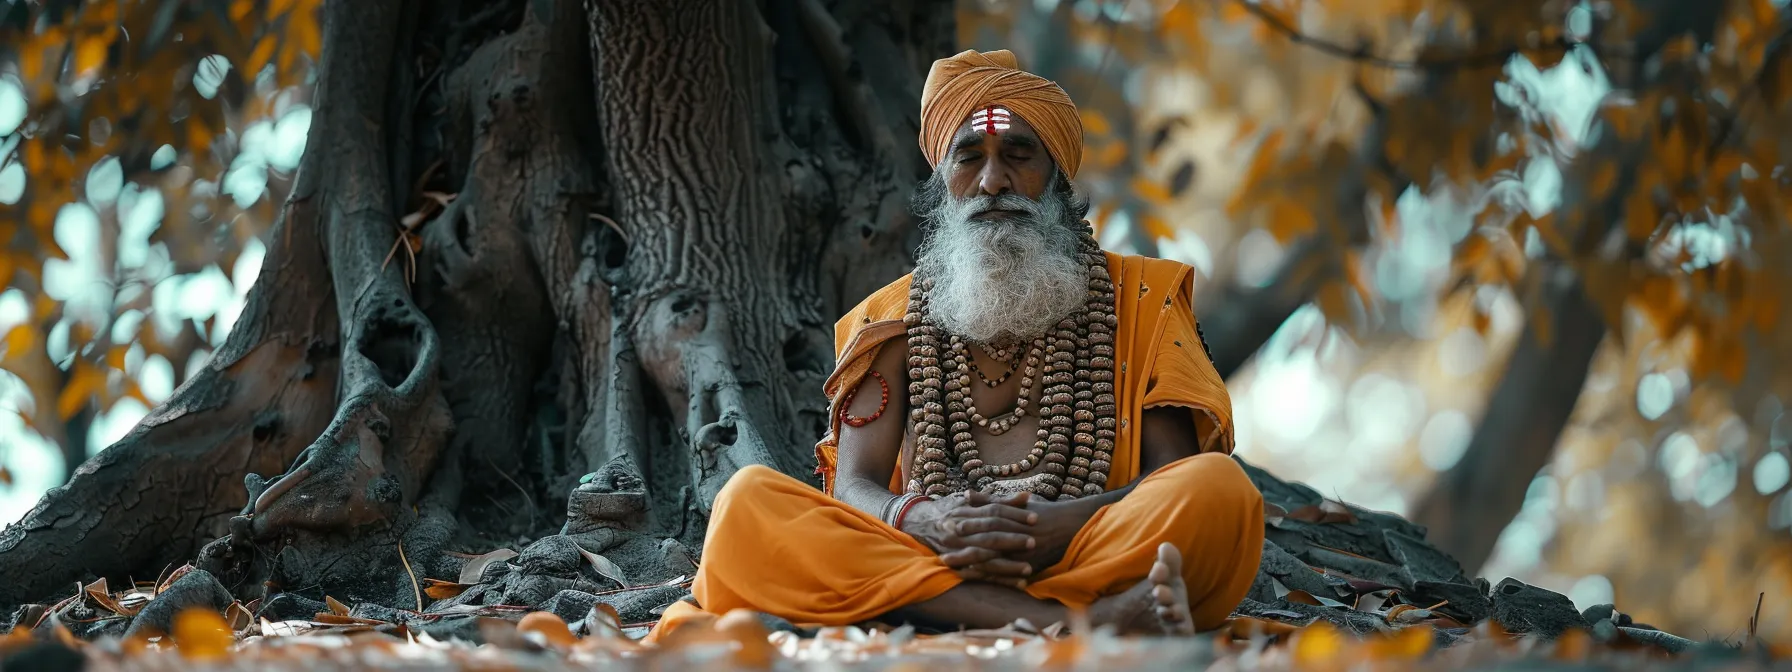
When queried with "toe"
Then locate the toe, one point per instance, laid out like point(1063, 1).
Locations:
point(1169, 556)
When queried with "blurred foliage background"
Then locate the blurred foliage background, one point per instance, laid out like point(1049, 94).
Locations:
point(1516, 270)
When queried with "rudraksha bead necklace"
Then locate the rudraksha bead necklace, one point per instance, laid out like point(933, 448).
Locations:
point(1076, 409)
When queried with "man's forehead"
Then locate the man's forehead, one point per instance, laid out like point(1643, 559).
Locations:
point(993, 120)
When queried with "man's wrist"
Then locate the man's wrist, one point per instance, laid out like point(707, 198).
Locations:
point(896, 508)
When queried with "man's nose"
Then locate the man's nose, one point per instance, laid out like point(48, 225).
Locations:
point(994, 181)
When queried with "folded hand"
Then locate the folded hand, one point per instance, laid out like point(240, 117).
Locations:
point(976, 535)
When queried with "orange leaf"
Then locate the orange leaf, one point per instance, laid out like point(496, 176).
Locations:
point(441, 590)
point(1156, 227)
point(1604, 178)
point(549, 627)
point(5, 475)
point(1403, 644)
point(1734, 361)
point(258, 59)
point(1150, 191)
point(91, 54)
point(18, 638)
point(1288, 220)
point(1095, 123)
point(240, 9)
point(202, 634)
point(20, 340)
point(1334, 303)
point(335, 607)
point(84, 382)
point(1317, 644)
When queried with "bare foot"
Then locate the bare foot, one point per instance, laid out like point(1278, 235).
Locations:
point(1169, 592)
point(1156, 606)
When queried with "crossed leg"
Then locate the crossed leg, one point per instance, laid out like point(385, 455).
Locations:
point(1177, 554)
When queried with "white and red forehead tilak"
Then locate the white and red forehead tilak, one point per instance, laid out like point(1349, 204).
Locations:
point(992, 119)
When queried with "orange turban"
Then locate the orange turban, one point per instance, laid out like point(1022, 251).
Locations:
point(971, 80)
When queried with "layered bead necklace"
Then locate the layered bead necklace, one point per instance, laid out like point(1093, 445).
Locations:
point(1076, 407)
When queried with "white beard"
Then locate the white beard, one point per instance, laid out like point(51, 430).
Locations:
point(1012, 278)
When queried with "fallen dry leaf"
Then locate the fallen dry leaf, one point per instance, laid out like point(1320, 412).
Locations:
point(755, 648)
point(18, 638)
point(202, 634)
point(470, 572)
point(549, 627)
point(172, 577)
point(605, 567)
point(335, 607)
point(437, 589)
point(1325, 512)
point(1244, 627)
point(103, 596)
point(1403, 644)
point(238, 616)
point(1317, 643)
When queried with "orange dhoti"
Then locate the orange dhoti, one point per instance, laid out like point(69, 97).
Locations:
point(779, 546)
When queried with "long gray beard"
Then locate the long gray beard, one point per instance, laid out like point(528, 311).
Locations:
point(1012, 278)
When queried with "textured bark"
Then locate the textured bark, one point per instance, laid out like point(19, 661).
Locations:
point(658, 209)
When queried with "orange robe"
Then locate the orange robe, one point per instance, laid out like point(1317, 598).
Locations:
point(779, 546)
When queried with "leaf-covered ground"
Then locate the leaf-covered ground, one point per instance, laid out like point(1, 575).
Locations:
point(507, 637)
point(1340, 587)
point(518, 640)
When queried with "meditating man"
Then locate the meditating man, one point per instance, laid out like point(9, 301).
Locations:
point(1025, 426)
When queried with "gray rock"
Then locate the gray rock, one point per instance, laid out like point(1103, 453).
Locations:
point(1526, 609)
point(553, 555)
point(569, 605)
point(289, 607)
point(196, 588)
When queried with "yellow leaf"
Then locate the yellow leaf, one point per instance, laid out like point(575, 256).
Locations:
point(1095, 123)
point(1404, 644)
point(1288, 220)
point(1641, 217)
point(202, 634)
point(1150, 191)
point(1267, 154)
point(305, 34)
point(91, 54)
point(81, 386)
point(1605, 176)
point(1353, 275)
point(1317, 644)
point(1156, 227)
point(1334, 303)
point(1733, 362)
point(258, 59)
point(199, 138)
point(20, 340)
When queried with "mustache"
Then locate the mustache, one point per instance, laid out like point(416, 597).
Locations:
point(1016, 203)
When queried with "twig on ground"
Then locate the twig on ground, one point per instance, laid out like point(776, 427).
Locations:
point(416, 591)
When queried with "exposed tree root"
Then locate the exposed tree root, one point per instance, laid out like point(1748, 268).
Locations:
point(151, 500)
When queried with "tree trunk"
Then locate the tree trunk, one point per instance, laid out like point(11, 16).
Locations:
point(652, 213)
point(1472, 503)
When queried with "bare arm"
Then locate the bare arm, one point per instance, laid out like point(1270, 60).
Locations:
point(969, 531)
point(867, 455)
